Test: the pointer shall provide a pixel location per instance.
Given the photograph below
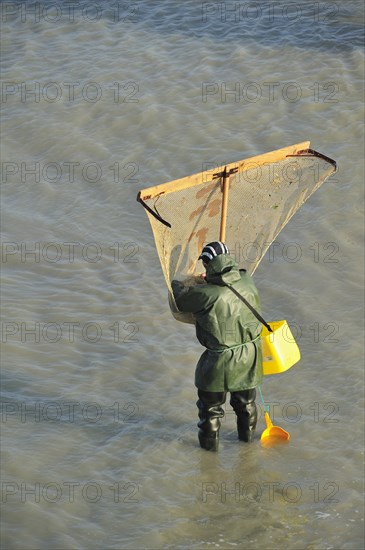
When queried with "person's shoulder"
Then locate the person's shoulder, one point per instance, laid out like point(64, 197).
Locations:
point(246, 277)
point(244, 274)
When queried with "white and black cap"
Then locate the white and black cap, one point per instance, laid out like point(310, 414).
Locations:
point(212, 250)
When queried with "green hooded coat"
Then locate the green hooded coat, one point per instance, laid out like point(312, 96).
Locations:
point(225, 326)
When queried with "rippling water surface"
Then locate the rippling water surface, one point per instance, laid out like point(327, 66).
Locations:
point(98, 402)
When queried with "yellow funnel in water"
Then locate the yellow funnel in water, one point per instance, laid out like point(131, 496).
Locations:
point(273, 434)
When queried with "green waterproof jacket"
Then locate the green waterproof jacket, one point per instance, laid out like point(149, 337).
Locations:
point(225, 326)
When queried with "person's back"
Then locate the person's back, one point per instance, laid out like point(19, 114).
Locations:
point(231, 333)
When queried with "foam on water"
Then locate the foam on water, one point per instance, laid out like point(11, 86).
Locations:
point(98, 399)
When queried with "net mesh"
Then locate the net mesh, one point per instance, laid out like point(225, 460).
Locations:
point(263, 195)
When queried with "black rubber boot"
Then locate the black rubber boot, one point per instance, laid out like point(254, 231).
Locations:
point(243, 403)
point(208, 443)
point(210, 413)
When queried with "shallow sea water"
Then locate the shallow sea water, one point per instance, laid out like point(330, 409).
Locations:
point(99, 444)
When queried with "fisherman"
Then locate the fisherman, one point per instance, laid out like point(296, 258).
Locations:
point(228, 329)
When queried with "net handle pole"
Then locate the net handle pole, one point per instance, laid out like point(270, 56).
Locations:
point(225, 176)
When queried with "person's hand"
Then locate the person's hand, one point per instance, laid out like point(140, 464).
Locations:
point(199, 279)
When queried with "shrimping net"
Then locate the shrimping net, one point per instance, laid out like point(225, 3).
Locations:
point(264, 193)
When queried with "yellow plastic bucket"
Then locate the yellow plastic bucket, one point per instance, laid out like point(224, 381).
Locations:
point(279, 348)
